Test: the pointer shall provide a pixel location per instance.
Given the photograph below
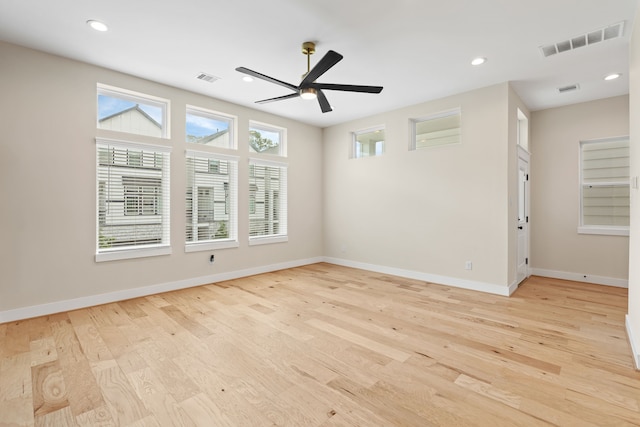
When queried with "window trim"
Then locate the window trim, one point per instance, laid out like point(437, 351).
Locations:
point(139, 98)
point(233, 241)
point(214, 115)
point(142, 251)
point(354, 141)
point(413, 122)
point(602, 230)
point(283, 199)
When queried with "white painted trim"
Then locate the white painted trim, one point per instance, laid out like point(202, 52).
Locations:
point(577, 277)
point(633, 340)
point(92, 300)
point(141, 252)
point(432, 278)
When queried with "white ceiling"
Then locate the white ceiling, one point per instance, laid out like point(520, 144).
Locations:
point(418, 50)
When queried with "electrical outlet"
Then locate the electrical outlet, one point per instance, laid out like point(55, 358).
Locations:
point(212, 259)
point(468, 265)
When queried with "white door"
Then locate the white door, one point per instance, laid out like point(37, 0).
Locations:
point(523, 217)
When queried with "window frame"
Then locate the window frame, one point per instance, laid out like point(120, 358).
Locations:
point(282, 196)
point(609, 230)
point(231, 203)
point(353, 153)
point(214, 115)
point(138, 98)
point(413, 123)
point(266, 127)
point(102, 216)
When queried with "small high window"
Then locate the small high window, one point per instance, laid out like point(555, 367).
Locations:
point(437, 129)
point(267, 139)
point(210, 128)
point(368, 142)
point(132, 112)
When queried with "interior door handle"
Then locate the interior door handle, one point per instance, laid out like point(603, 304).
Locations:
point(519, 227)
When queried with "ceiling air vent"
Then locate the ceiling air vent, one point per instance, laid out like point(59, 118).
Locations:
point(569, 88)
point(207, 77)
point(607, 33)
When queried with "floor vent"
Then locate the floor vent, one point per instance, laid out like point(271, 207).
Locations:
point(207, 77)
point(607, 33)
point(569, 88)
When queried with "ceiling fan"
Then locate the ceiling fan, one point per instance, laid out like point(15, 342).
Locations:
point(308, 87)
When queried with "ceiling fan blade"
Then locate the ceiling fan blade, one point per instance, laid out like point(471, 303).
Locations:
point(327, 61)
point(278, 98)
point(348, 88)
point(324, 103)
point(266, 78)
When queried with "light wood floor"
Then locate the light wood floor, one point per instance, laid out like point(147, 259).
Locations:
point(324, 345)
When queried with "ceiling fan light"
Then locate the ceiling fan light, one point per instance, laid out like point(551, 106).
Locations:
point(308, 93)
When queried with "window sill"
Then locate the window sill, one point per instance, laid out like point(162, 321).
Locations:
point(605, 231)
point(208, 246)
point(132, 253)
point(266, 240)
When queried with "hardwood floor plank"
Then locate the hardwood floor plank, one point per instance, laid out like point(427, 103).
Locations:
point(325, 345)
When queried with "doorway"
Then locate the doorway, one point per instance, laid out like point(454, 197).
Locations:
point(522, 271)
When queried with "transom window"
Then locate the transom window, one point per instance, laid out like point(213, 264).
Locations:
point(267, 139)
point(210, 128)
point(437, 129)
point(132, 112)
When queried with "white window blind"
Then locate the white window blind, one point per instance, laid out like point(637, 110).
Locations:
point(267, 201)
point(133, 199)
point(604, 184)
point(211, 201)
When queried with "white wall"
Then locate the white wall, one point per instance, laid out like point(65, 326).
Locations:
point(633, 317)
point(48, 189)
point(557, 249)
point(424, 213)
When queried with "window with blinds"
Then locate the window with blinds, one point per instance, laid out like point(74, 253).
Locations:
point(267, 202)
point(133, 200)
point(604, 185)
point(211, 201)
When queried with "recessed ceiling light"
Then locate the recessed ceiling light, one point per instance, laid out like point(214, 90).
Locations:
point(247, 78)
point(612, 76)
point(97, 25)
point(478, 61)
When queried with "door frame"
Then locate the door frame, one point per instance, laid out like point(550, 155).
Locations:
point(524, 158)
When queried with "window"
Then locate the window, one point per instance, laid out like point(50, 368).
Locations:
point(368, 143)
point(604, 186)
point(523, 130)
point(211, 196)
point(267, 139)
point(133, 200)
point(267, 202)
point(132, 112)
point(437, 129)
point(210, 128)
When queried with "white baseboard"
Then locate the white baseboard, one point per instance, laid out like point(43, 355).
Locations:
point(577, 277)
point(634, 338)
point(92, 300)
point(432, 278)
